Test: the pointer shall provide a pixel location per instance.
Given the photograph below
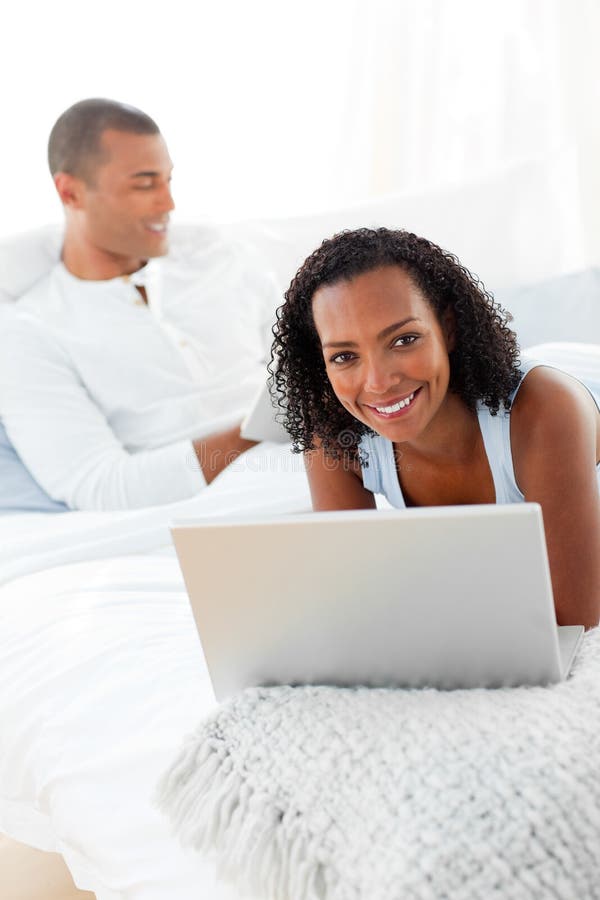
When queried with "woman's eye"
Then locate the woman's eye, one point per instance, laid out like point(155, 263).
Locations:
point(405, 340)
point(340, 358)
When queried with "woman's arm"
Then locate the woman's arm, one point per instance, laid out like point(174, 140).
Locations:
point(335, 484)
point(554, 437)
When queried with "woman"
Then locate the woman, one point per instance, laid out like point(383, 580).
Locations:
point(401, 377)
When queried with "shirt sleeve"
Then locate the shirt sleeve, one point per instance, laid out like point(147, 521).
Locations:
point(65, 440)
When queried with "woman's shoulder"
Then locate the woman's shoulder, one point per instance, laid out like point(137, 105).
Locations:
point(551, 410)
point(548, 392)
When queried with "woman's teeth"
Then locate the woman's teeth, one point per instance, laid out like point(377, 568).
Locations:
point(396, 407)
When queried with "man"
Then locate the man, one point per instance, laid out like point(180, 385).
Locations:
point(125, 372)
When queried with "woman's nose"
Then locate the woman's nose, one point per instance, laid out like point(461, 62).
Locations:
point(379, 377)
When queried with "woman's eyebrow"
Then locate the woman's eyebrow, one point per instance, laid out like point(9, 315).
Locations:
point(339, 344)
point(382, 334)
point(396, 325)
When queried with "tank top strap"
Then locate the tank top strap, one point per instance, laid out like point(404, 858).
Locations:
point(495, 431)
point(379, 471)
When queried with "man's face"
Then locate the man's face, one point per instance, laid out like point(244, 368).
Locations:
point(125, 210)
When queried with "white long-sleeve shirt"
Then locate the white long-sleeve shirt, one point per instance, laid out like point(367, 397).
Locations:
point(102, 395)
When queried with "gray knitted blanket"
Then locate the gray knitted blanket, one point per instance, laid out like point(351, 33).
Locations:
point(321, 793)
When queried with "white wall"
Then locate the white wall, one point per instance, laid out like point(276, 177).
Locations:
point(250, 96)
point(273, 108)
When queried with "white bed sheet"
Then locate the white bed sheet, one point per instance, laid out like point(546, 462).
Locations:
point(95, 700)
point(102, 674)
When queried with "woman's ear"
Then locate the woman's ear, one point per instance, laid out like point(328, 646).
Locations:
point(449, 326)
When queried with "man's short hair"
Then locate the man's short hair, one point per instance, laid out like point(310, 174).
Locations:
point(75, 143)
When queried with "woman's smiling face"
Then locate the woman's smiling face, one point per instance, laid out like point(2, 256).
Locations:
point(385, 351)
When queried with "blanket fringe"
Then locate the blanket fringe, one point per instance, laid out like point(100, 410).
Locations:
point(214, 811)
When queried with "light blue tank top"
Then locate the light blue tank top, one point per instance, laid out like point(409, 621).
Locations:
point(381, 477)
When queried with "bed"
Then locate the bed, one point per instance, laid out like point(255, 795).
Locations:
point(101, 670)
point(102, 676)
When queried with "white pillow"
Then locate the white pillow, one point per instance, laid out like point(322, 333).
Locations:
point(519, 225)
point(562, 309)
point(26, 257)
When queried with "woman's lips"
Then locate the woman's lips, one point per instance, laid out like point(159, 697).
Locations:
point(396, 409)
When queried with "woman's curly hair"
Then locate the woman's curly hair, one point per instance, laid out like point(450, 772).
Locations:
point(484, 365)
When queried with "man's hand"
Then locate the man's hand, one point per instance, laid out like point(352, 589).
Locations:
point(217, 451)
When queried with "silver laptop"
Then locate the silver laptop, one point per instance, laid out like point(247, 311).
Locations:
point(448, 597)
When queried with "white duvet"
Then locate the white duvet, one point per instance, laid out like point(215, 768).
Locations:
point(101, 676)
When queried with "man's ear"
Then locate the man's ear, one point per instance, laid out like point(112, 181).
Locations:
point(70, 189)
point(449, 323)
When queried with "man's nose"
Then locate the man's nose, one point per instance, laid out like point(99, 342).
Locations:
point(165, 201)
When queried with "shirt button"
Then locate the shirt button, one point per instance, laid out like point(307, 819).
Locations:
point(183, 343)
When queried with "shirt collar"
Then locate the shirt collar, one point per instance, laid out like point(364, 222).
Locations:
point(137, 279)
